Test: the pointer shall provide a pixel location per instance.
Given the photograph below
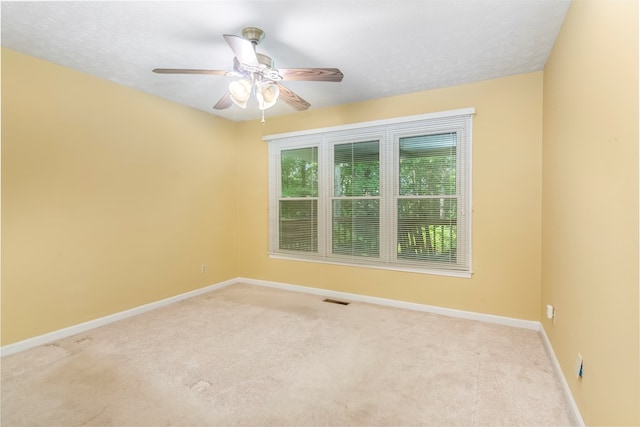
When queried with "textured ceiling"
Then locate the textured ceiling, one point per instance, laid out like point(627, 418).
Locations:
point(384, 48)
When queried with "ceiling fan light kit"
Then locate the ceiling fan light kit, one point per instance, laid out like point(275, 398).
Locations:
point(258, 75)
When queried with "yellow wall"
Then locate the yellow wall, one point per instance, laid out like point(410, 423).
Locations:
point(590, 207)
point(111, 198)
point(507, 153)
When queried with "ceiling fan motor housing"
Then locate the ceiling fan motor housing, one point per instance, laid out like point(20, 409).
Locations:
point(265, 60)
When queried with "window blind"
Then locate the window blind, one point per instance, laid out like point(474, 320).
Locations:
point(355, 204)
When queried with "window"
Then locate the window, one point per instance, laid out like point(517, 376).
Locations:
point(298, 205)
point(355, 202)
point(386, 194)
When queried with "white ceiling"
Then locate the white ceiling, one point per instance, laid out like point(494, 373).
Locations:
point(384, 48)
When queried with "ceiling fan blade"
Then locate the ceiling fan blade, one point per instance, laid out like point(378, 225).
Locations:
point(292, 99)
point(243, 49)
point(312, 74)
point(188, 71)
point(224, 103)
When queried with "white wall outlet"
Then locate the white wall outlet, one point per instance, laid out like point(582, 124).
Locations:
point(203, 268)
point(579, 366)
point(550, 311)
point(551, 314)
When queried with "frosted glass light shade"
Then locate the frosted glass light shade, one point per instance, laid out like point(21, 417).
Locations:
point(240, 91)
point(267, 94)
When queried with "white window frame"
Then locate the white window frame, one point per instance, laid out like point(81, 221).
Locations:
point(389, 133)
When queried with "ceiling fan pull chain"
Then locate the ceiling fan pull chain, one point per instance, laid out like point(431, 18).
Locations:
point(263, 122)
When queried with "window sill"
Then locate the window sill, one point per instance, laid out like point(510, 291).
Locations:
point(403, 268)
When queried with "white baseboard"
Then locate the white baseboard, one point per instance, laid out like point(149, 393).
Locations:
point(489, 318)
point(507, 321)
point(565, 385)
point(91, 324)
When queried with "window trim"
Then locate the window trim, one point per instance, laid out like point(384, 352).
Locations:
point(393, 130)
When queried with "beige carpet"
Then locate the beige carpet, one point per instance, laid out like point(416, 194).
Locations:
point(247, 355)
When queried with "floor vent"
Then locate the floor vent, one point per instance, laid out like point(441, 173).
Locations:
point(335, 301)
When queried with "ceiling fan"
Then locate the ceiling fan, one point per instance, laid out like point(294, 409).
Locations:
point(257, 75)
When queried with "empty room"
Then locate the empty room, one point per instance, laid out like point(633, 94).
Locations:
point(320, 213)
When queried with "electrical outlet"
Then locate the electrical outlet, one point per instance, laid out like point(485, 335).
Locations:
point(579, 366)
point(551, 314)
point(203, 268)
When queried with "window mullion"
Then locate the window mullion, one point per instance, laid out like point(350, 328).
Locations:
point(387, 217)
point(274, 197)
point(325, 190)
